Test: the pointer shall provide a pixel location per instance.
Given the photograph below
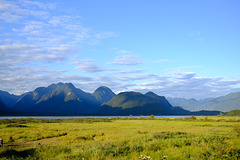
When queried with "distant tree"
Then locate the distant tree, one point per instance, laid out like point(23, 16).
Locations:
point(193, 117)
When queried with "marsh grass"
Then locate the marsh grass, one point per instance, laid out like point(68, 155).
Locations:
point(128, 138)
point(236, 128)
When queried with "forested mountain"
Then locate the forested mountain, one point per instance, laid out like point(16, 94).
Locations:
point(225, 103)
point(61, 98)
point(135, 103)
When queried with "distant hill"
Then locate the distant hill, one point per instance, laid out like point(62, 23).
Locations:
point(232, 113)
point(225, 103)
point(61, 98)
point(134, 103)
point(103, 94)
point(189, 104)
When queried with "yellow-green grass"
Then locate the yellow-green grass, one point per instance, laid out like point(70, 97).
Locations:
point(129, 138)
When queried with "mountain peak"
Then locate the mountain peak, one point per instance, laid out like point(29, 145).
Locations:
point(103, 94)
point(102, 88)
point(60, 84)
point(150, 93)
point(155, 96)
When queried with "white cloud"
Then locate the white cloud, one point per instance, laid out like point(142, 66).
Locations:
point(126, 58)
point(89, 68)
point(20, 53)
point(129, 70)
point(188, 85)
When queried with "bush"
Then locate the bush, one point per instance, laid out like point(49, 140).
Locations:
point(11, 139)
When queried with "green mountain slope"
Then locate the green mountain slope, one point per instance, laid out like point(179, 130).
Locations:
point(135, 103)
point(232, 113)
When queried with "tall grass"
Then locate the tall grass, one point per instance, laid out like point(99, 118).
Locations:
point(127, 138)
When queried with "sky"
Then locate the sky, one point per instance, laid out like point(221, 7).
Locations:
point(187, 48)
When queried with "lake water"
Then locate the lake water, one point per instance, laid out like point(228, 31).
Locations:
point(68, 117)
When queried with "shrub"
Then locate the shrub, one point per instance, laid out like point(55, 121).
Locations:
point(11, 139)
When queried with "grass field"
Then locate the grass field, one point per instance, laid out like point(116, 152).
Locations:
point(128, 138)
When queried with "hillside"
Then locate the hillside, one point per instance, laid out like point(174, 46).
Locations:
point(8, 99)
point(5, 110)
point(232, 113)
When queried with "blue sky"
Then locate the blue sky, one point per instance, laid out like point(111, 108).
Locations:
point(185, 48)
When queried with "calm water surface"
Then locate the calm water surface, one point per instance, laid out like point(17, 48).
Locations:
point(68, 117)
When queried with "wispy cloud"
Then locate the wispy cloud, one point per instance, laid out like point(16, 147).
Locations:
point(34, 41)
point(90, 68)
point(126, 58)
point(38, 40)
point(187, 84)
point(161, 61)
point(129, 70)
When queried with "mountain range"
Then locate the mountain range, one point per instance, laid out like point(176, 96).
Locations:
point(225, 103)
point(66, 99)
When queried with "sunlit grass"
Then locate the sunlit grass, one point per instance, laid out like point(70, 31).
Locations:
point(129, 138)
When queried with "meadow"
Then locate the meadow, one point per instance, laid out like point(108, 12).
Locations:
point(121, 138)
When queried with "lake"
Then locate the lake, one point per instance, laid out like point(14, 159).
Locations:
point(68, 117)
